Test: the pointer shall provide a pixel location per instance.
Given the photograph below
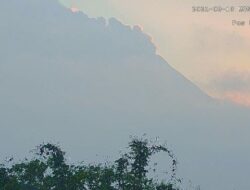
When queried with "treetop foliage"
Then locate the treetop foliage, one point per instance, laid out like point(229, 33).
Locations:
point(49, 170)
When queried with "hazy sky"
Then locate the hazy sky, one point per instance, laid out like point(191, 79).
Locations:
point(88, 85)
point(204, 47)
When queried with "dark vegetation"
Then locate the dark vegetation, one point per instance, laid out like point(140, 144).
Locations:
point(49, 170)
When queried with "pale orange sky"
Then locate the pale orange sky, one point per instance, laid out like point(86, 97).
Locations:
point(204, 47)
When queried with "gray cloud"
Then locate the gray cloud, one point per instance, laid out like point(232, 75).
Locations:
point(233, 81)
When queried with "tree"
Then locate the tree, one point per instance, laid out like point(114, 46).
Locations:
point(49, 170)
point(132, 169)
